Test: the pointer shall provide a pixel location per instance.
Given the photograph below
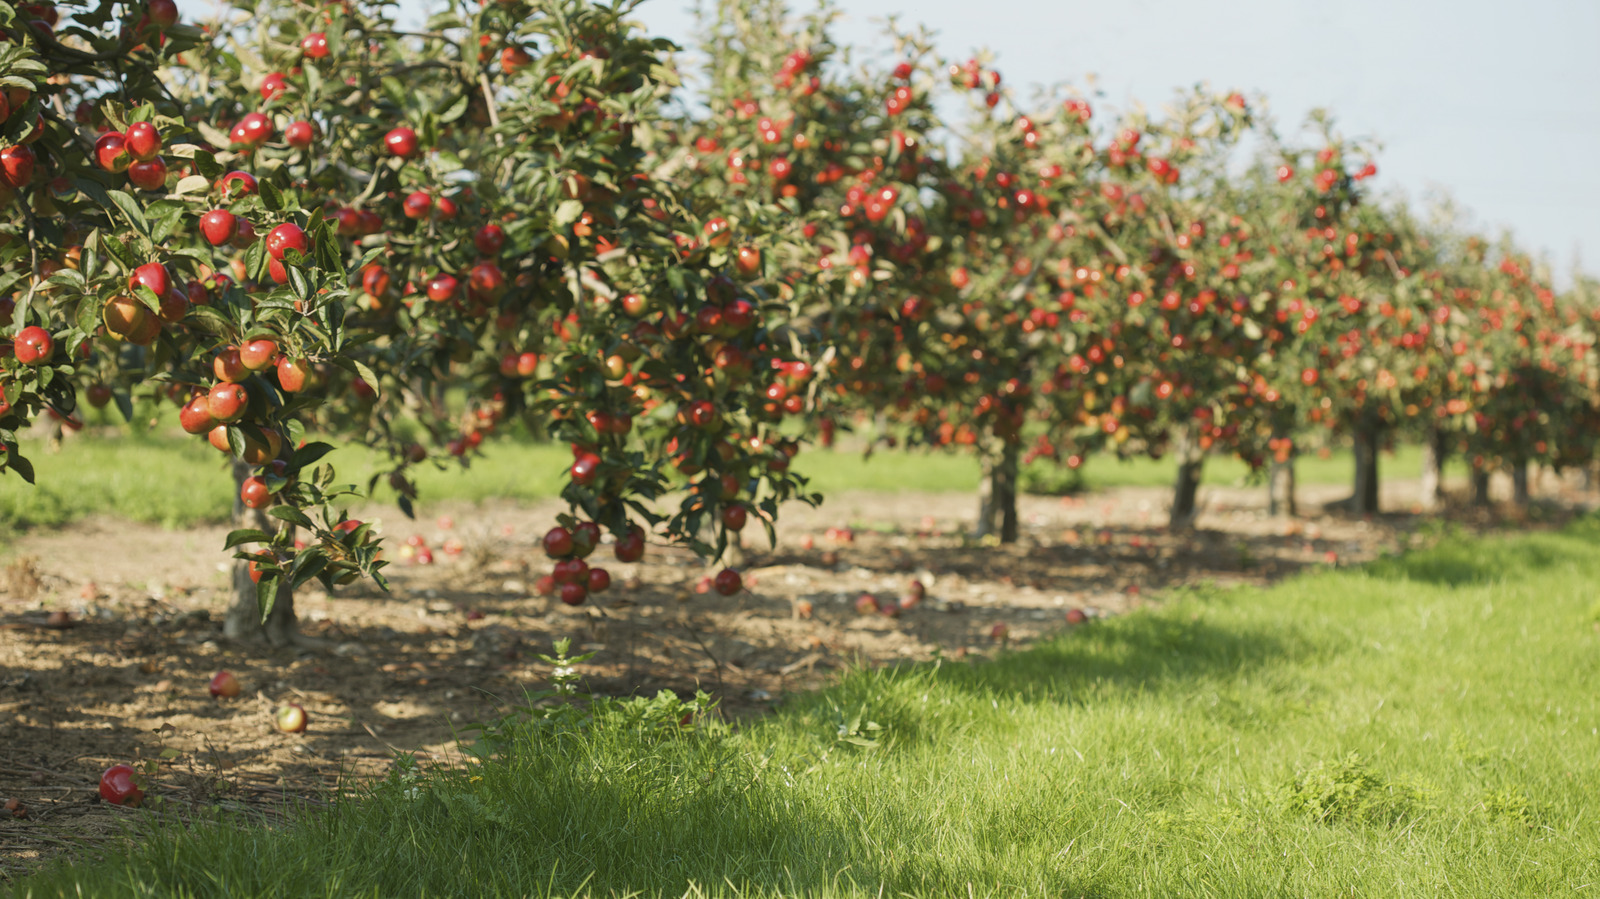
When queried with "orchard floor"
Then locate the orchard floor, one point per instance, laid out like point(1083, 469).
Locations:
point(458, 641)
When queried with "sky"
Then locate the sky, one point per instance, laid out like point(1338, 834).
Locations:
point(1496, 104)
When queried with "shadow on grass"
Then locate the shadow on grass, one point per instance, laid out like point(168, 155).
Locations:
point(1487, 559)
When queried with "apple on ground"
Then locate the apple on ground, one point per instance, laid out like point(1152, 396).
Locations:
point(290, 718)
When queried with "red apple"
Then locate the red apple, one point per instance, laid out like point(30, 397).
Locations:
point(143, 141)
point(315, 45)
point(226, 402)
point(33, 346)
point(285, 237)
point(258, 354)
point(217, 226)
point(16, 166)
point(574, 594)
point(300, 134)
point(254, 493)
point(252, 131)
point(490, 239)
point(111, 151)
point(728, 582)
point(224, 685)
point(401, 142)
point(117, 786)
point(195, 416)
point(292, 374)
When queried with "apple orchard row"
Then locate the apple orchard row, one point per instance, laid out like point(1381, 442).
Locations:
point(303, 220)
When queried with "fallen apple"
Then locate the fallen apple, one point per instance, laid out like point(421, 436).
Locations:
point(290, 718)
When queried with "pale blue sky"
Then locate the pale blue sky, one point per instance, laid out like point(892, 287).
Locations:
point(1496, 103)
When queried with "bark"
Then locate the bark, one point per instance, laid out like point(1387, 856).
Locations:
point(1480, 486)
point(1280, 488)
point(1519, 483)
point(1364, 500)
point(244, 617)
point(1280, 484)
point(997, 495)
point(1433, 456)
point(1191, 461)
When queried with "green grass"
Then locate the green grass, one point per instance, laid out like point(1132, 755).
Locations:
point(1426, 726)
point(177, 482)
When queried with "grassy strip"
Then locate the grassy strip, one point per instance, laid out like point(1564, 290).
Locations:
point(1429, 725)
point(180, 483)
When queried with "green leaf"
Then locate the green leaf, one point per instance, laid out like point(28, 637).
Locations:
point(568, 212)
point(267, 594)
point(246, 535)
point(291, 515)
point(310, 454)
point(130, 209)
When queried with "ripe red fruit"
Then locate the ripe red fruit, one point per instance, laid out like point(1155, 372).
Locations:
point(585, 537)
point(292, 374)
point(1308, 377)
point(718, 232)
point(163, 13)
point(445, 209)
point(290, 719)
point(442, 287)
point(315, 45)
point(574, 594)
point(558, 543)
point(417, 205)
point(151, 175)
point(545, 585)
point(16, 166)
point(490, 239)
point(401, 142)
point(252, 131)
point(1076, 616)
point(734, 517)
point(143, 141)
point(227, 366)
point(224, 685)
point(111, 151)
point(152, 275)
point(748, 261)
point(629, 548)
point(599, 580)
point(728, 582)
point(285, 237)
point(226, 402)
point(586, 468)
point(300, 134)
point(238, 183)
point(254, 493)
point(274, 86)
point(218, 227)
point(33, 346)
point(258, 354)
point(195, 416)
point(867, 604)
point(117, 786)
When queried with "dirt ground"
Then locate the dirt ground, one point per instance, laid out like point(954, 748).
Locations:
point(457, 641)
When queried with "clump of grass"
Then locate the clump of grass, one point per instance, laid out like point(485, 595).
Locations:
point(1347, 790)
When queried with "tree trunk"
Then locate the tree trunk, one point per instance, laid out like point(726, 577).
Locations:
point(244, 616)
point(1480, 486)
point(1433, 455)
point(1191, 461)
point(1519, 483)
point(1365, 499)
point(997, 495)
point(1280, 486)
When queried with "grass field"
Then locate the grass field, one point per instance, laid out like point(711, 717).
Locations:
point(178, 482)
point(1426, 726)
